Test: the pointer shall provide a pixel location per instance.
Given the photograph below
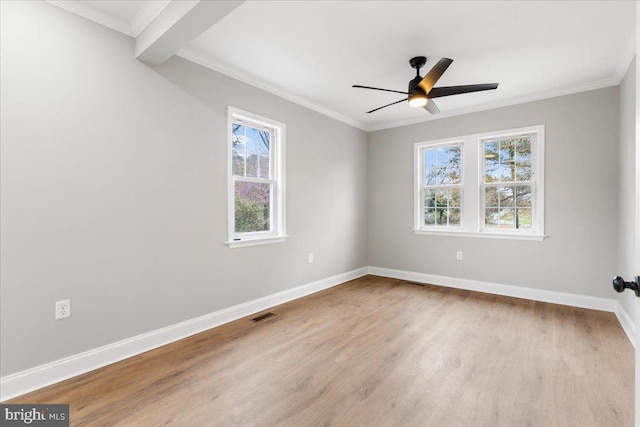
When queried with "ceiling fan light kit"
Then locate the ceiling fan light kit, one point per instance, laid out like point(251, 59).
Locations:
point(421, 90)
point(418, 99)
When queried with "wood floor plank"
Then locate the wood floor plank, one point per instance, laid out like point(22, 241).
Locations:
point(374, 352)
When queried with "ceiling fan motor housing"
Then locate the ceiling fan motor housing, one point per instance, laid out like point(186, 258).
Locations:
point(413, 85)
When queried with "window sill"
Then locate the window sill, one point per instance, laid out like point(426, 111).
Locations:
point(482, 234)
point(255, 241)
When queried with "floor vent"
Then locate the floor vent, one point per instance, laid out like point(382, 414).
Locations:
point(263, 316)
point(414, 283)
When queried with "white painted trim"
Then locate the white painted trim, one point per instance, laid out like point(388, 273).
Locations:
point(542, 295)
point(256, 241)
point(212, 64)
point(583, 87)
point(482, 234)
point(574, 300)
point(628, 325)
point(92, 14)
point(472, 185)
point(59, 370)
point(193, 55)
point(145, 15)
point(278, 228)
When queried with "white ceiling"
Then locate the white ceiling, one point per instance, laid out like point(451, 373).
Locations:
point(311, 52)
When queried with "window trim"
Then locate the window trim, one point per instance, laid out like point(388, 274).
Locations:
point(423, 187)
point(277, 232)
point(472, 224)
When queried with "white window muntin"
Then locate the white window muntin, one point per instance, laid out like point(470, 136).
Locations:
point(435, 187)
point(473, 176)
point(536, 181)
point(275, 180)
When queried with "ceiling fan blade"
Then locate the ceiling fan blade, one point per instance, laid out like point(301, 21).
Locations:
point(377, 88)
point(388, 105)
point(432, 107)
point(437, 92)
point(427, 83)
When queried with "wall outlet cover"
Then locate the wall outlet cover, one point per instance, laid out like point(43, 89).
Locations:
point(63, 309)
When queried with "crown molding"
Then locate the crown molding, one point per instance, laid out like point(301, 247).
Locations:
point(92, 14)
point(145, 15)
point(152, 9)
point(584, 87)
point(208, 62)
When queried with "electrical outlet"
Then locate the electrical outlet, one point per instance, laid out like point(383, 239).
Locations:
point(63, 309)
point(310, 257)
point(459, 256)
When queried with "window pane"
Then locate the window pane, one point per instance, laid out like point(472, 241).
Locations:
point(442, 165)
point(505, 197)
point(454, 217)
point(430, 167)
point(454, 198)
point(491, 218)
point(523, 220)
point(264, 142)
point(523, 196)
point(523, 158)
point(441, 198)
point(507, 161)
point(491, 197)
point(506, 218)
point(252, 166)
point(238, 164)
point(239, 149)
point(264, 167)
point(252, 139)
point(429, 217)
point(447, 210)
point(492, 162)
point(452, 174)
point(252, 207)
point(430, 199)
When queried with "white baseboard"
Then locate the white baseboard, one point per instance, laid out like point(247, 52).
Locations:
point(41, 376)
point(574, 300)
point(628, 325)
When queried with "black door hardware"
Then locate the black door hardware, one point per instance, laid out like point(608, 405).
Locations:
point(620, 285)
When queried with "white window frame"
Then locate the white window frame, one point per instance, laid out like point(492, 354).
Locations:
point(424, 187)
point(277, 230)
point(472, 197)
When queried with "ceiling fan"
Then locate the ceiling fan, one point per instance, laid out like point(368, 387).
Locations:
point(421, 90)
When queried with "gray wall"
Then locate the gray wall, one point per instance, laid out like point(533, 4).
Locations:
point(579, 256)
point(626, 218)
point(114, 190)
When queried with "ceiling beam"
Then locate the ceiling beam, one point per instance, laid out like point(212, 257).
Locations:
point(178, 24)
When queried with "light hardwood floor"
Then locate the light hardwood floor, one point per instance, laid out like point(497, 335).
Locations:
point(374, 352)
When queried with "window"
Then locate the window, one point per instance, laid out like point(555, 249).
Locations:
point(507, 182)
point(256, 179)
point(500, 195)
point(442, 185)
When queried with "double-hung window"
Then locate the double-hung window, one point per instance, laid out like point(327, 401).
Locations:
point(441, 182)
point(482, 185)
point(256, 179)
point(508, 182)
